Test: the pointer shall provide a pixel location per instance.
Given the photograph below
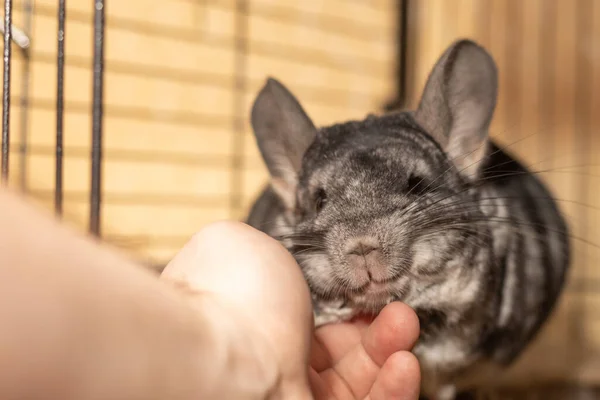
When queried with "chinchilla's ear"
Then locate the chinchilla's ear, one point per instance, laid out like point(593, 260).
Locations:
point(458, 104)
point(283, 132)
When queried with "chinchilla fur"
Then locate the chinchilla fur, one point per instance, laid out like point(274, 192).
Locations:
point(419, 206)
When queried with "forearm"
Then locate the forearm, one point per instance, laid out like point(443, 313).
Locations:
point(80, 322)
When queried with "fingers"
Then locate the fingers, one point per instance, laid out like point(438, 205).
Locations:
point(331, 343)
point(320, 357)
point(399, 379)
point(395, 329)
point(319, 387)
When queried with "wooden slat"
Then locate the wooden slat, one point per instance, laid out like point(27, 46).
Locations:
point(530, 131)
point(592, 192)
point(497, 47)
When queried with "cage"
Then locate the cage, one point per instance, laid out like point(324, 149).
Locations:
point(130, 119)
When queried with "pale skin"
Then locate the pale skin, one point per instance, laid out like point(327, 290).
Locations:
point(230, 318)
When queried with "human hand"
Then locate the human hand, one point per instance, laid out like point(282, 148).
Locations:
point(367, 359)
point(255, 296)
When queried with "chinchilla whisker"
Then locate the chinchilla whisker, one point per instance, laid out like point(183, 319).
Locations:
point(469, 227)
point(500, 148)
point(448, 169)
point(531, 165)
point(457, 212)
point(549, 198)
point(458, 209)
point(270, 221)
point(343, 287)
point(463, 190)
point(280, 233)
point(428, 207)
point(296, 236)
point(310, 234)
point(297, 250)
point(451, 166)
point(327, 294)
point(481, 203)
point(516, 229)
point(522, 223)
point(440, 225)
point(415, 202)
point(306, 250)
point(471, 239)
point(296, 240)
point(462, 226)
point(466, 154)
point(441, 228)
point(307, 242)
point(451, 216)
point(507, 173)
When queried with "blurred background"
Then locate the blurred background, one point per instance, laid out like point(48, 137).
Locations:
point(180, 77)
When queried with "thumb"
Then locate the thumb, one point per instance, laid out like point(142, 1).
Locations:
point(259, 278)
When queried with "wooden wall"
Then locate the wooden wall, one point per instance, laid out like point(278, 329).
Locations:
point(549, 62)
point(180, 79)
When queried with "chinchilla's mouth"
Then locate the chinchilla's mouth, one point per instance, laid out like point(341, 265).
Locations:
point(371, 303)
point(375, 285)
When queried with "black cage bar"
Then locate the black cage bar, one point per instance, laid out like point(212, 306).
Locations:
point(24, 98)
point(97, 108)
point(60, 88)
point(402, 13)
point(6, 90)
point(98, 88)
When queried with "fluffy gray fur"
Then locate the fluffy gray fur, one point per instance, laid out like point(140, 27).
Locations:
point(418, 206)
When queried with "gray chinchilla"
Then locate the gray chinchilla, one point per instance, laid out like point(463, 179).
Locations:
point(422, 207)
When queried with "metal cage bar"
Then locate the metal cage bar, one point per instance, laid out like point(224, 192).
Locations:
point(11, 34)
point(6, 89)
point(399, 100)
point(60, 86)
point(24, 98)
point(97, 110)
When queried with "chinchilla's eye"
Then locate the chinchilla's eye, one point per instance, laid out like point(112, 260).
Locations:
point(416, 184)
point(320, 200)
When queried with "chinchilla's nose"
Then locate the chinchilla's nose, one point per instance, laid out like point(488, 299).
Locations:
point(362, 248)
point(364, 256)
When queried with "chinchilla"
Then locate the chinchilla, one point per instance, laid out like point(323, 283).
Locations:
point(418, 206)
